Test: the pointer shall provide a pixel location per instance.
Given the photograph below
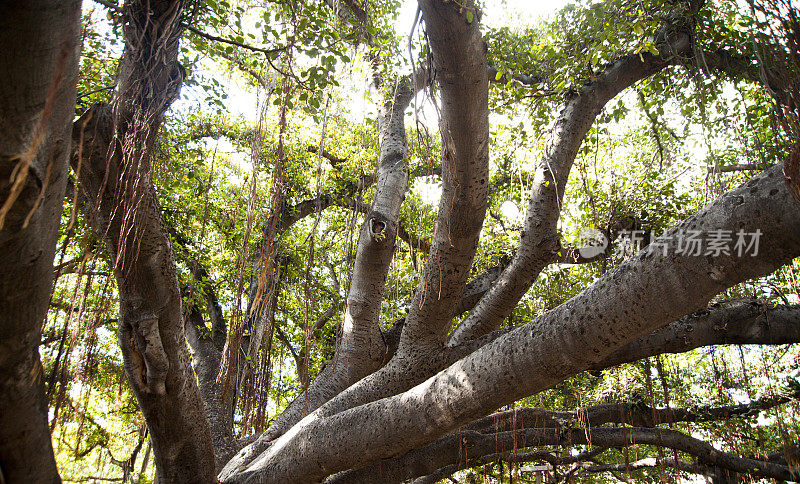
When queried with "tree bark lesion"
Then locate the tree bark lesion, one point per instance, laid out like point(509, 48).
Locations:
point(149, 352)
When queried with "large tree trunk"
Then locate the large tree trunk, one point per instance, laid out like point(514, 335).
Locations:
point(115, 159)
point(38, 54)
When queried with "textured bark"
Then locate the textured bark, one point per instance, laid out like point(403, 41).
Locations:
point(740, 322)
point(118, 141)
point(361, 349)
point(206, 360)
point(475, 443)
point(539, 240)
point(151, 328)
point(459, 57)
point(206, 342)
point(38, 51)
point(646, 292)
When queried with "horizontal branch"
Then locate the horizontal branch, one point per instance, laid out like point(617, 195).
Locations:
point(505, 77)
point(738, 167)
point(223, 40)
point(450, 451)
point(734, 322)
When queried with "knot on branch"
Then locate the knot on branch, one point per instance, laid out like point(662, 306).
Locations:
point(381, 230)
point(675, 35)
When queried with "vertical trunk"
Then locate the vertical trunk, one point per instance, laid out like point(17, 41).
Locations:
point(38, 52)
point(459, 56)
point(206, 359)
point(361, 350)
point(116, 158)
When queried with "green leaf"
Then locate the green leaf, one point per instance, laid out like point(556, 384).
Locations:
point(470, 16)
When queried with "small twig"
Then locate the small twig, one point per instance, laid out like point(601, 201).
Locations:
point(199, 32)
point(107, 88)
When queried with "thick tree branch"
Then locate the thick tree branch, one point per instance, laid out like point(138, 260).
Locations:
point(459, 56)
point(539, 240)
point(734, 322)
point(455, 451)
point(644, 293)
point(115, 159)
point(461, 64)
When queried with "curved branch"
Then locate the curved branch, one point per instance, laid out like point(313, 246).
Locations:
point(539, 240)
point(362, 349)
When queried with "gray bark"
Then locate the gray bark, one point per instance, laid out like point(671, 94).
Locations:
point(38, 54)
point(206, 360)
point(539, 240)
point(420, 351)
point(480, 441)
point(646, 292)
point(465, 179)
point(459, 57)
point(735, 322)
point(118, 141)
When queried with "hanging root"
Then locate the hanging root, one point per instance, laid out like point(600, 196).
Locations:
point(19, 176)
